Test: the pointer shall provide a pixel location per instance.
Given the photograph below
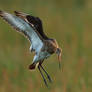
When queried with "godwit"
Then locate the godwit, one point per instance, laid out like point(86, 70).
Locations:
point(32, 28)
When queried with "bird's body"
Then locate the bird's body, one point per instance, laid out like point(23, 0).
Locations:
point(32, 28)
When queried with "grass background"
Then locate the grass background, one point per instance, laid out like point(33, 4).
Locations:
point(70, 22)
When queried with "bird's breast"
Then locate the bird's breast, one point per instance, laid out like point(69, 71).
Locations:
point(49, 47)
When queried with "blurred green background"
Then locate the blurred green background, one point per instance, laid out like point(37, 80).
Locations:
point(70, 22)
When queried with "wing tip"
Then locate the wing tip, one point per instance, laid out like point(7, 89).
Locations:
point(19, 13)
point(1, 13)
point(16, 12)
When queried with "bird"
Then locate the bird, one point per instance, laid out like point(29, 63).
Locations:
point(31, 27)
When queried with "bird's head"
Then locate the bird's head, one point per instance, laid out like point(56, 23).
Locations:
point(59, 52)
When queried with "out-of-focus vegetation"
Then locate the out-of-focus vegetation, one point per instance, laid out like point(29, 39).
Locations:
point(70, 22)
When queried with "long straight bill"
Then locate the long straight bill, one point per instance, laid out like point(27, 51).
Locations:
point(59, 59)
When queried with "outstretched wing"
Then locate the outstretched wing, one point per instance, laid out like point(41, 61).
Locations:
point(35, 21)
point(22, 26)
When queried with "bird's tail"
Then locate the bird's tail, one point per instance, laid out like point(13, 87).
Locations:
point(32, 66)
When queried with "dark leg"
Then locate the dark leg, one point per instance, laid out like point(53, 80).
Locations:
point(42, 76)
point(46, 73)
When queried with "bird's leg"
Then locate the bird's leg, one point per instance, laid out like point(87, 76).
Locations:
point(48, 76)
point(42, 76)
